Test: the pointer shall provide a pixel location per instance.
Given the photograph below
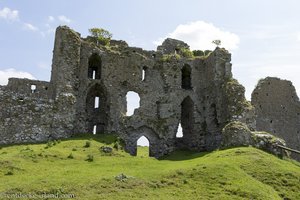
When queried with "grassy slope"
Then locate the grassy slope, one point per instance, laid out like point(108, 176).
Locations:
point(229, 174)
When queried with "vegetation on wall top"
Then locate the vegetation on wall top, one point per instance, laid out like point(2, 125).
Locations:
point(100, 36)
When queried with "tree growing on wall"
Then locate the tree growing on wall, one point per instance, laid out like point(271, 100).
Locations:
point(217, 42)
point(100, 36)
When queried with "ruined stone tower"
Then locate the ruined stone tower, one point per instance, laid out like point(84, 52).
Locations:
point(278, 110)
point(174, 88)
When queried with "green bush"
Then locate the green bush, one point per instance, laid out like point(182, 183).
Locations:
point(198, 53)
point(49, 144)
point(100, 36)
point(186, 53)
point(90, 158)
point(70, 156)
point(207, 52)
point(170, 57)
point(119, 143)
point(9, 173)
point(87, 144)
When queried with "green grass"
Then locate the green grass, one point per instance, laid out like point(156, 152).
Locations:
point(239, 173)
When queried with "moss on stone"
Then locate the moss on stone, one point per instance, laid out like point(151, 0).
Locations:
point(186, 53)
point(236, 99)
point(170, 57)
point(236, 134)
point(159, 125)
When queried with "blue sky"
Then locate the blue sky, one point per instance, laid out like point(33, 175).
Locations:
point(263, 36)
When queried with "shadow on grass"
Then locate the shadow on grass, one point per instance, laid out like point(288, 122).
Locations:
point(181, 155)
point(102, 138)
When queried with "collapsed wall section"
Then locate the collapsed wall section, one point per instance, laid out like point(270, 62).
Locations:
point(26, 118)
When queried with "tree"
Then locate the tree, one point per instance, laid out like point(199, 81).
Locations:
point(198, 53)
point(217, 42)
point(100, 35)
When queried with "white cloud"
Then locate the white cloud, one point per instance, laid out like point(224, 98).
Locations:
point(199, 35)
point(10, 73)
point(30, 27)
point(298, 37)
point(8, 14)
point(51, 19)
point(64, 19)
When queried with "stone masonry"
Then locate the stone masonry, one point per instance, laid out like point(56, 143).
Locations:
point(278, 110)
point(197, 92)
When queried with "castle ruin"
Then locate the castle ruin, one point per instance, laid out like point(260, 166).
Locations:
point(88, 88)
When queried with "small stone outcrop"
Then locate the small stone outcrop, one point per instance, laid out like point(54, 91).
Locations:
point(105, 149)
point(236, 134)
point(269, 143)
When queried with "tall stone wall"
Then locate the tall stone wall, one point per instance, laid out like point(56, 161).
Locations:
point(278, 110)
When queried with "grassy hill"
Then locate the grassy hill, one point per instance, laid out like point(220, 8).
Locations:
point(76, 166)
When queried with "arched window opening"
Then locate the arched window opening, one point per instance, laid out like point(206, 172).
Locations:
point(133, 102)
point(186, 82)
point(94, 70)
point(33, 88)
point(143, 147)
point(187, 117)
point(97, 109)
point(179, 133)
point(94, 75)
point(97, 102)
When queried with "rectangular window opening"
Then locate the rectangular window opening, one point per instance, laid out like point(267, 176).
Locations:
point(143, 75)
point(97, 102)
point(95, 130)
point(94, 74)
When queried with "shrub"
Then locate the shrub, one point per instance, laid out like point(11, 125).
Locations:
point(207, 52)
point(186, 53)
point(9, 173)
point(87, 144)
point(100, 36)
point(49, 144)
point(70, 156)
point(90, 158)
point(198, 53)
point(170, 57)
point(119, 143)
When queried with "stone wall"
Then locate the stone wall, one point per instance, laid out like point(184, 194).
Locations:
point(278, 110)
point(29, 118)
point(33, 88)
point(197, 92)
